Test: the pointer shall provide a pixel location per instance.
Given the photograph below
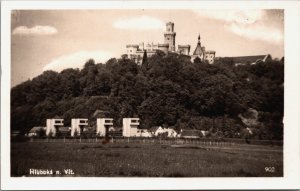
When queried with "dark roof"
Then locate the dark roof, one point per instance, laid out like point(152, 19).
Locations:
point(132, 45)
point(35, 129)
point(184, 46)
point(153, 129)
point(118, 129)
point(250, 59)
point(167, 45)
point(210, 51)
point(64, 129)
point(100, 113)
point(198, 49)
point(187, 132)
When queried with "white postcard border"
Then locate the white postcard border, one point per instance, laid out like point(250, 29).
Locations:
point(291, 103)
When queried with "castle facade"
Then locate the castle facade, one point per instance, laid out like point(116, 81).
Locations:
point(136, 51)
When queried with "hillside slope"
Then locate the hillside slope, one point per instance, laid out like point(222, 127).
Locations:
point(164, 90)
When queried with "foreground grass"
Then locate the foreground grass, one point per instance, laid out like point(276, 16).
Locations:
point(144, 160)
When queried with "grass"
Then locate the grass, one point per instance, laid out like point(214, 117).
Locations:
point(147, 160)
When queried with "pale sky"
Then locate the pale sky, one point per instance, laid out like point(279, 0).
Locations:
point(48, 39)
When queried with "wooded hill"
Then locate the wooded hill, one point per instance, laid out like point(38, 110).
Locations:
point(165, 90)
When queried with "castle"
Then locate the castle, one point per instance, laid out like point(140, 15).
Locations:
point(136, 51)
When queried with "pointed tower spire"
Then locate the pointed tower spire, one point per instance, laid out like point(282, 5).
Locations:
point(198, 50)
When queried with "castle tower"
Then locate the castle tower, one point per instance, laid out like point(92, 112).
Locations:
point(170, 36)
point(198, 49)
point(204, 55)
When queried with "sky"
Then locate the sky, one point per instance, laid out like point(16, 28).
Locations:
point(57, 39)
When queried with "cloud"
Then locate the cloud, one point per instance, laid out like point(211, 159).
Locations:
point(251, 24)
point(258, 32)
point(36, 30)
point(77, 60)
point(140, 23)
point(237, 16)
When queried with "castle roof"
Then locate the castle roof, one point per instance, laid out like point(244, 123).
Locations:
point(161, 45)
point(210, 51)
point(132, 45)
point(169, 33)
point(198, 50)
point(184, 46)
point(148, 51)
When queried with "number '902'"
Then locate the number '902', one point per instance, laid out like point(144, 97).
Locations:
point(270, 169)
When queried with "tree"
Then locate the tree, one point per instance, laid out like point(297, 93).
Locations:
point(197, 60)
point(169, 90)
point(144, 61)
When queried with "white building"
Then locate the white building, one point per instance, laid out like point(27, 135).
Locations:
point(35, 131)
point(130, 126)
point(77, 126)
point(157, 130)
point(184, 49)
point(104, 125)
point(171, 132)
point(143, 133)
point(136, 51)
point(204, 133)
point(52, 125)
point(160, 130)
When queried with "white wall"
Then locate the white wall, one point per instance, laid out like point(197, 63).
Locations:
point(130, 127)
point(101, 123)
point(50, 126)
point(75, 125)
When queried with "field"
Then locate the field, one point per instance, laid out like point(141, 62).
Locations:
point(122, 159)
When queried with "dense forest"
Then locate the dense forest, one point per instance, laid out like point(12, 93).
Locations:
point(166, 90)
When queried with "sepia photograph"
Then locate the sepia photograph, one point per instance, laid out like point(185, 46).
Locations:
point(143, 92)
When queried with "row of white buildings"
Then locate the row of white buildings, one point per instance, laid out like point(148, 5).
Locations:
point(79, 125)
point(105, 126)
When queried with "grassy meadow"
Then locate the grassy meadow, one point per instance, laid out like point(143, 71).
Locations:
point(147, 160)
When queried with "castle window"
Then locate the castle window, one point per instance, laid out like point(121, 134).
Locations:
point(168, 38)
